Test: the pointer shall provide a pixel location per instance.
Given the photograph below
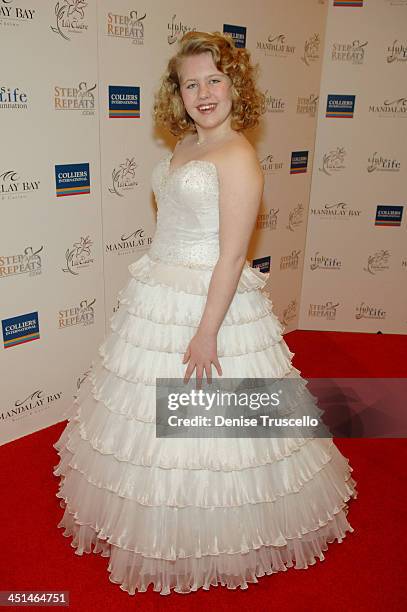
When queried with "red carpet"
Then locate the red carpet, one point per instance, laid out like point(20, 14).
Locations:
point(365, 572)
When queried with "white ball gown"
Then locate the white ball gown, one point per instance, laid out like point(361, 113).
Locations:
point(181, 514)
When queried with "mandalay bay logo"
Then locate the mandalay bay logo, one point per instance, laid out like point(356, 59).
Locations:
point(12, 15)
point(176, 30)
point(70, 18)
point(333, 162)
point(13, 187)
point(271, 165)
point(126, 26)
point(129, 243)
point(78, 257)
point(28, 262)
point(338, 210)
point(378, 262)
point(79, 98)
point(311, 50)
point(124, 178)
point(36, 402)
point(395, 109)
point(276, 46)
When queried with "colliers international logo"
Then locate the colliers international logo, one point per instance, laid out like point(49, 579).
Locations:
point(13, 186)
point(388, 215)
point(20, 329)
point(124, 102)
point(299, 162)
point(238, 34)
point(13, 99)
point(77, 98)
point(262, 263)
point(28, 262)
point(129, 26)
point(70, 18)
point(276, 46)
point(176, 29)
point(12, 15)
point(348, 3)
point(72, 179)
point(340, 106)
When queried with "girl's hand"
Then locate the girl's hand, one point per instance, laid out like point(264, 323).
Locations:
point(201, 353)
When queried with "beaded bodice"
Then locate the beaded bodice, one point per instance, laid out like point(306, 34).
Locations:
point(187, 230)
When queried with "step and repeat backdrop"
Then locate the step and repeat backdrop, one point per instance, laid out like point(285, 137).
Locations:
point(355, 259)
point(79, 144)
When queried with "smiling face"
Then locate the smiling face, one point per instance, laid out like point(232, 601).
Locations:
point(205, 90)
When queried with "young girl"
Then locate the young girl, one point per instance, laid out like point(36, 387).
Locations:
point(188, 513)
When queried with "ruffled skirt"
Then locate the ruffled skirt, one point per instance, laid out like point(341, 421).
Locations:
point(188, 513)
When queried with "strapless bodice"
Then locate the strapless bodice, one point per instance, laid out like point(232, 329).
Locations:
point(187, 230)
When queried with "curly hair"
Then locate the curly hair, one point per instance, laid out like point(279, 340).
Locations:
point(247, 101)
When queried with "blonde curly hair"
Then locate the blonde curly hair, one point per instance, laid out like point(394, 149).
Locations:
point(247, 101)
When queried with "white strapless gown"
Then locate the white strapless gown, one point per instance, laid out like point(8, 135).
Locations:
point(188, 513)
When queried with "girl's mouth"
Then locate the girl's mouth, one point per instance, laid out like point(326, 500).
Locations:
point(206, 109)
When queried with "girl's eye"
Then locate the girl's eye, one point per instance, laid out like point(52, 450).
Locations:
point(212, 81)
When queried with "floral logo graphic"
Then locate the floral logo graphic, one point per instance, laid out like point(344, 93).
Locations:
point(124, 177)
point(69, 16)
point(79, 256)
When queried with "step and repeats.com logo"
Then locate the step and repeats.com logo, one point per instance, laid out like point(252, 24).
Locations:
point(20, 329)
point(72, 179)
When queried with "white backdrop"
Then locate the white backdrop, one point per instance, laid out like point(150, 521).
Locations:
point(76, 200)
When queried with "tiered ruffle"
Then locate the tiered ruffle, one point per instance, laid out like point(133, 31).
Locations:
point(188, 513)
